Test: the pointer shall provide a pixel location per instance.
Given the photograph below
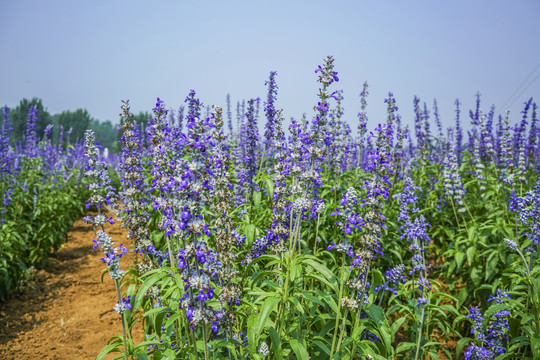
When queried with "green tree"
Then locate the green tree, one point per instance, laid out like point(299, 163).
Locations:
point(105, 133)
point(79, 121)
point(19, 115)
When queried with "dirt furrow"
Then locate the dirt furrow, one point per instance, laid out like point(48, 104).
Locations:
point(65, 311)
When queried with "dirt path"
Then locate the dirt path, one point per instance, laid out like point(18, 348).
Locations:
point(65, 312)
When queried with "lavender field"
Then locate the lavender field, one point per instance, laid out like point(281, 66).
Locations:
point(257, 237)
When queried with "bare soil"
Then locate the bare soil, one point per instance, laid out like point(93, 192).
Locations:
point(65, 311)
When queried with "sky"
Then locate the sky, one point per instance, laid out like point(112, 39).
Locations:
point(93, 54)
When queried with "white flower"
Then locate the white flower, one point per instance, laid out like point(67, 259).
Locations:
point(263, 349)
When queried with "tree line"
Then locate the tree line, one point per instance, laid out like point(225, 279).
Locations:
point(73, 123)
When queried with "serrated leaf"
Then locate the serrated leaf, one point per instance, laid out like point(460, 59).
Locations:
point(460, 258)
point(461, 343)
point(476, 275)
point(471, 253)
point(405, 346)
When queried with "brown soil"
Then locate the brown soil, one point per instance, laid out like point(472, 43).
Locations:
point(65, 311)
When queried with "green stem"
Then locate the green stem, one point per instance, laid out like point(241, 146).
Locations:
point(419, 334)
point(194, 340)
point(343, 323)
point(455, 213)
point(316, 235)
point(533, 295)
point(469, 212)
point(285, 295)
point(228, 337)
point(123, 319)
point(338, 306)
point(205, 342)
point(535, 307)
point(171, 254)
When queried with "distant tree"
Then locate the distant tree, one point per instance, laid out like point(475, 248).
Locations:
point(105, 133)
point(142, 118)
point(19, 115)
point(78, 120)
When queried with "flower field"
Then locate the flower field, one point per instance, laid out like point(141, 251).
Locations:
point(314, 238)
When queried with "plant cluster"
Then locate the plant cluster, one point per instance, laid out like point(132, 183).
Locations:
point(320, 243)
point(41, 197)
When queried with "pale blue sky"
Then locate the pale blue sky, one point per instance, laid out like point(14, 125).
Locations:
point(92, 54)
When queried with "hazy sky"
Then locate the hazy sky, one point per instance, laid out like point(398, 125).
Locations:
point(92, 54)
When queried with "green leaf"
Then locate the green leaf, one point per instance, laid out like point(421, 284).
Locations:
point(377, 315)
point(250, 234)
point(270, 187)
point(257, 199)
point(319, 267)
point(491, 266)
point(299, 350)
point(405, 346)
point(459, 319)
point(256, 323)
point(535, 346)
point(476, 275)
point(536, 282)
point(141, 356)
point(471, 233)
point(147, 284)
point(267, 308)
point(275, 343)
point(396, 325)
point(333, 285)
point(460, 258)
point(461, 344)
point(312, 298)
point(252, 335)
point(471, 253)
point(322, 346)
point(295, 270)
point(109, 349)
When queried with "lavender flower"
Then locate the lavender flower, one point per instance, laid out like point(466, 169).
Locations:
point(100, 184)
point(478, 353)
point(270, 112)
point(453, 187)
point(134, 198)
point(362, 122)
point(393, 276)
point(459, 134)
point(123, 305)
point(493, 342)
point(31, 134)
point(229, 116)
point(252, 146)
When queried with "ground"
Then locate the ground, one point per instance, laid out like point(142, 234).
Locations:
point(65, 311)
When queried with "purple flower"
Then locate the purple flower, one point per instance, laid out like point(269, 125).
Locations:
point(123, 305)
